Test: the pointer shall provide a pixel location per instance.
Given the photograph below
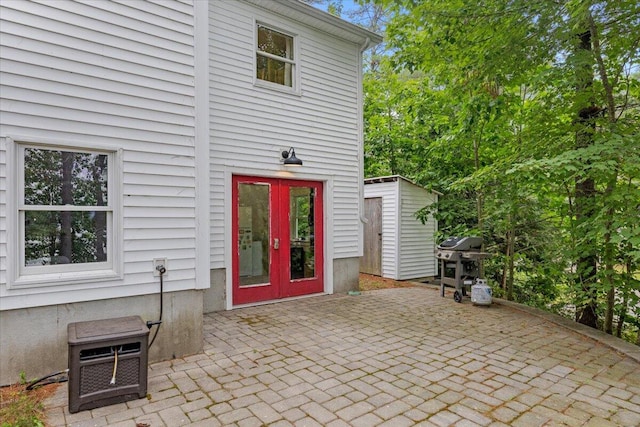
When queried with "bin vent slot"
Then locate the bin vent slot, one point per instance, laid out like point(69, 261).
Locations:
point(98, 352)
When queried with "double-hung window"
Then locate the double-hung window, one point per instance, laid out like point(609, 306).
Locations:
point(275, 57)
point(65, 214)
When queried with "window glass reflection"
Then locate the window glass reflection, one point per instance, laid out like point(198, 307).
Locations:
point(253, 233)
point(301, 208)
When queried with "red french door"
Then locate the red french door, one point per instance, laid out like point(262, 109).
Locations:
point(277, 238)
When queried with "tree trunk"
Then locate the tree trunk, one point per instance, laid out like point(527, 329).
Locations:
point(479, 202)
point(512, 246)
point(585, 189)
point(608, 317)
point(66, 241)
point(622, 315)
point(609, 260)
point(628, 277)
point(505, 267)
point(609, 248)
point(587, 260)
point(100, 219)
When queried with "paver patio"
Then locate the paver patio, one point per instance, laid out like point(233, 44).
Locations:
point(393, 357)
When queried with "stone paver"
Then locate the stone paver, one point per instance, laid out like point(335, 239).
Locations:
point(393, 357)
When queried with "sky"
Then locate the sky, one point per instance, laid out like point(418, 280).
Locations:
point(347, 6)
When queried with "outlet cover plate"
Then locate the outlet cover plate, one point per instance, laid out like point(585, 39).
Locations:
point(156, 263)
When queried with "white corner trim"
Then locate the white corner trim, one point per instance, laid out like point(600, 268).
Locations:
point(202, 144)
point(228, 245)
point(328, 235)
point(12, 220)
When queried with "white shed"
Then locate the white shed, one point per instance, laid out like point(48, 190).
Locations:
point(397, 245)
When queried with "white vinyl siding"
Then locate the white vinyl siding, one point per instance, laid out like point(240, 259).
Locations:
point(251, 125)
point(118, 75)
point(416, 256)
point(408, 248)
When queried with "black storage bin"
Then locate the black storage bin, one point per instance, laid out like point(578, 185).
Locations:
point(99, 348)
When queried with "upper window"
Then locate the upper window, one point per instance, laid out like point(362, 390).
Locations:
point(275, 60)
point(65, 210)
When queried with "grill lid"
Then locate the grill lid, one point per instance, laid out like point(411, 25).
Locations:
point(455, 243)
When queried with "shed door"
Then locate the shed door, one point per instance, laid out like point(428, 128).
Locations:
point(371, 262)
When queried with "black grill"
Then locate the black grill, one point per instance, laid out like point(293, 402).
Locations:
point(459, 257)
point(461, 243)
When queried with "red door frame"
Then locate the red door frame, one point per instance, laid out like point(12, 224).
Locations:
point(280, 284)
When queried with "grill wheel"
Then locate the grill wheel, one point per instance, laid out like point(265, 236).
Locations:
point(457, 296)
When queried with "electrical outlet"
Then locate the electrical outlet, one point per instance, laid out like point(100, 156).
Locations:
point(157, 263)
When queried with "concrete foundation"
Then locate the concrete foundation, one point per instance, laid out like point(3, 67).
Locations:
point(215, 296)
point(34, 340)
point(346, 273)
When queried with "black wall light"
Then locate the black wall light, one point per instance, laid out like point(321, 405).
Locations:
point(290, 158)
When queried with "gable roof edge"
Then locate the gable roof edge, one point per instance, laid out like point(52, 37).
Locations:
point(320, 20)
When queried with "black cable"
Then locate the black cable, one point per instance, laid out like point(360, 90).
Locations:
point(33, 383)
point(162, 270)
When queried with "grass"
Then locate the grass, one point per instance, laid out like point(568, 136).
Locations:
point(20, 407)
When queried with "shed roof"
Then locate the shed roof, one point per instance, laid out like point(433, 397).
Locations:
point(320, 20)
point(395, 178)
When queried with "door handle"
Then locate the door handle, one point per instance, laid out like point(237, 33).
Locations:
point(276, 243)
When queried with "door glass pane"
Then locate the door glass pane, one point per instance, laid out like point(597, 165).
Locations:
point(301, 215)
point(253, 233)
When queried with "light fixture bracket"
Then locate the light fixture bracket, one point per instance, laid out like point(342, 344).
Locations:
point(290, 158)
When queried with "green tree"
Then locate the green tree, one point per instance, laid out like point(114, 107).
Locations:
point(530, 109)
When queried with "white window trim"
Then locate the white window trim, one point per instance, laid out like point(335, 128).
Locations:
point(21, 277)
point(295, 62)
